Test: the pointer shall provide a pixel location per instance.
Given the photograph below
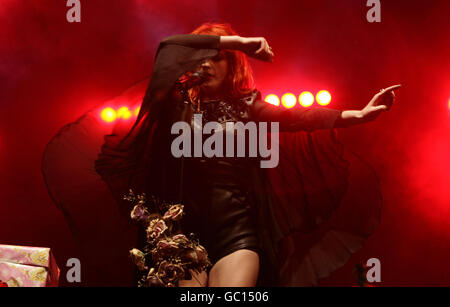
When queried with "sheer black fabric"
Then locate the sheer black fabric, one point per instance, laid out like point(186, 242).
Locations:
point(311, 212)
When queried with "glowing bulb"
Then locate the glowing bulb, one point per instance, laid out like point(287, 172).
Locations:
point(306, 99)
point(323, 97)
point(272, 99)
point(108, 115)
point(124, 113)
point(288, 100)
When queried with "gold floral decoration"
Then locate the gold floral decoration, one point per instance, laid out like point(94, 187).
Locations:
point(38, 274)
point(169, 256)
point(40, 257)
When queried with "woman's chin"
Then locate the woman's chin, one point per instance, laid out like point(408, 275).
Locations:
point(210, 90)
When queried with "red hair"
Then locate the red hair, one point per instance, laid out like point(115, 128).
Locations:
point(239, 80)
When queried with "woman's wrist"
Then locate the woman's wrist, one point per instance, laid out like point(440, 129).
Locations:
point(349, 118)
point(231, 42)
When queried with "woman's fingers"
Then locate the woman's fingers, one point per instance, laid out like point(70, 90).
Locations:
point(380, 108)
point(393, 88)
point(388, 90)
point(392, 97)
point(270, 52)
point(262, 47)
point(264, 51)
point(382, 101)
point(391, 100)
point(385, 96)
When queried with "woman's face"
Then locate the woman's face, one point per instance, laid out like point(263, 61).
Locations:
point(216, 70)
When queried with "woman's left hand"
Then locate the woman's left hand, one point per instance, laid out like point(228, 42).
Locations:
point(380, 102)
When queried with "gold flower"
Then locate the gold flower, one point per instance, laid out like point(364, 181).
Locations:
point(138, 258)
point(156, 228)
point(38, 274)
point(15, 282)
point(40, 257)
point(174, 213)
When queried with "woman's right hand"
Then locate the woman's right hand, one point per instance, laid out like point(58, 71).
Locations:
point(255, 47)
point(258, 48)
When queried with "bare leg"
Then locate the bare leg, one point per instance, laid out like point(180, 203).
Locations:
point(238, 269)
point(198, 280)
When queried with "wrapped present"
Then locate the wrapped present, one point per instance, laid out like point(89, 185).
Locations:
point(24, 266)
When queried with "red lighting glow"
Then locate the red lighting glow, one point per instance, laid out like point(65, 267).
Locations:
point(323, 97)
point(306, 99)
point(108, 115)
point(272, 99)
point(124, 113)
point(288, 100)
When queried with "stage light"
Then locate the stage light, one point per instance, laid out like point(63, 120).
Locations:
point(323, 98)
point(108, 115)
point(136, 111)
point(306, 99)
point(124, 113)
point(272, 99)
point(288, 100)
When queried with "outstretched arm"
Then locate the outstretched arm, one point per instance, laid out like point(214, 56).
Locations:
point(380, 102)
point(322, 118)
point(310, 119)
point(295, 119)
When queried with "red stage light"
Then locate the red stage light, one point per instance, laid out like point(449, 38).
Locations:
point(108, 115)
point(272, 99)
point(306, 99)
point(136, 111)
point(124, 113)
point(323, 98)
point(288, 100)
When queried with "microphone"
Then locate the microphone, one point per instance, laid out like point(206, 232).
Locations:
point(191, 79)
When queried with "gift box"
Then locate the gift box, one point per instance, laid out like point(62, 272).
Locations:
point(25, 266)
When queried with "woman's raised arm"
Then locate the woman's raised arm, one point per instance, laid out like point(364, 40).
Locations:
point(193, 41)
point(256, 47)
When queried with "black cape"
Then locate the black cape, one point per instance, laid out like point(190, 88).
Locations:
point(315, 208)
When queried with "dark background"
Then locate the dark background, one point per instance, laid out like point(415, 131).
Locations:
point(52, 71)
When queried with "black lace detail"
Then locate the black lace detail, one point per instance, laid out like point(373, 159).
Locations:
point(227, 111)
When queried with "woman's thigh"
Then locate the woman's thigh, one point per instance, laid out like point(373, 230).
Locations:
point(238, 269)
point(197, 280)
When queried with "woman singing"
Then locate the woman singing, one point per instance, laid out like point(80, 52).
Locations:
point(285, 226)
